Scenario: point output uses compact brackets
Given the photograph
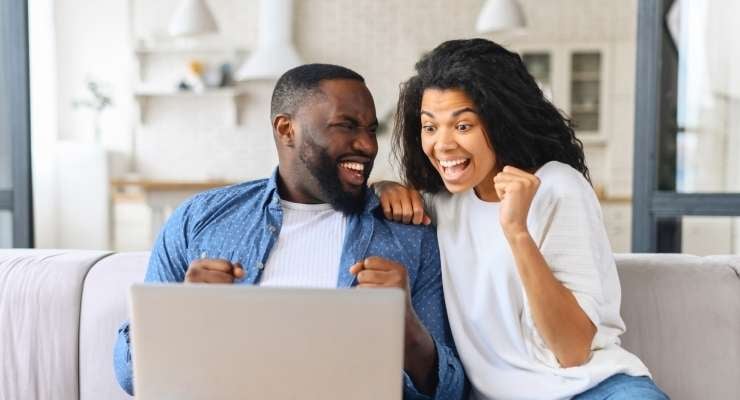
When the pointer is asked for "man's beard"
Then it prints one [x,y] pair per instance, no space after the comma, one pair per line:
[322,167]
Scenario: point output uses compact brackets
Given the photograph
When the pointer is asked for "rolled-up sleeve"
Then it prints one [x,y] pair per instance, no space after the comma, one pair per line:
[574,244]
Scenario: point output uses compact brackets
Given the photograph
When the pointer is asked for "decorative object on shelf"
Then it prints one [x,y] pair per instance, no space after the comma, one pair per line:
[99,100]
[192,17]
[500,15]
[275,52]
[194,76]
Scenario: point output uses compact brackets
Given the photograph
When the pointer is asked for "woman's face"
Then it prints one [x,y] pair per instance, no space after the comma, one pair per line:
[454,140]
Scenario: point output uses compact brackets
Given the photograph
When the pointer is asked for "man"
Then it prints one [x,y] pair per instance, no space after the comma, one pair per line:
[290,230]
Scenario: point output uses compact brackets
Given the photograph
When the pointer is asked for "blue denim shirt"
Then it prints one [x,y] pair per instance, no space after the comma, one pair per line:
[241,223]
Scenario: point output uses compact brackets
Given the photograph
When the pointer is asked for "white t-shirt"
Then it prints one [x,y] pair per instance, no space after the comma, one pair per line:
[504,355]
[308,248]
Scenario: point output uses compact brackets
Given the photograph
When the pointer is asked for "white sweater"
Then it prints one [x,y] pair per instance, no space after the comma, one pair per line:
[500,347]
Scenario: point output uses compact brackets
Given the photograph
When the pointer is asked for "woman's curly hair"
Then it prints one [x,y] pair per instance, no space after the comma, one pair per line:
[523,127]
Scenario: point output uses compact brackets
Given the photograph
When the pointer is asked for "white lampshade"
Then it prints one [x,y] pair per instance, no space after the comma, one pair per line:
[500,15]
[275,52]
[192,17]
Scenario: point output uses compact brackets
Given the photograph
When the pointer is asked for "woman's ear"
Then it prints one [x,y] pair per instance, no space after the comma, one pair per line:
[282,127]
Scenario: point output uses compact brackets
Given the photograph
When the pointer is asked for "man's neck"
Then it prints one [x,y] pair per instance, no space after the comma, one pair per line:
[289,190]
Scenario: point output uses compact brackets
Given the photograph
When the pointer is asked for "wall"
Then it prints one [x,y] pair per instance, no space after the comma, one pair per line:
[191,139]
[382,40]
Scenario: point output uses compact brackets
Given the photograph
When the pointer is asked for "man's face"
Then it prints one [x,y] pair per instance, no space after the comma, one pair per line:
[337,144]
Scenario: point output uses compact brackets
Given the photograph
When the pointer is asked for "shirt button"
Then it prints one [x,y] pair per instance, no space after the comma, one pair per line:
[271,228]
[260,265]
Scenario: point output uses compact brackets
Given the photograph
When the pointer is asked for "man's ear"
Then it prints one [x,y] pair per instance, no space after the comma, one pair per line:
[283,128]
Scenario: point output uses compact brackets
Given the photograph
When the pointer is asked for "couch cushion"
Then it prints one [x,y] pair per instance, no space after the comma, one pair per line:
[104,307]
[40,315]
[683,320]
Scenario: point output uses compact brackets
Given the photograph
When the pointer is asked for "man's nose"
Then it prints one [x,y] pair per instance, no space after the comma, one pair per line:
[365,142]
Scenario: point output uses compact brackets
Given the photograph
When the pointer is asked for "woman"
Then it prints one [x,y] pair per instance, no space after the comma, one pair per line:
[530,281]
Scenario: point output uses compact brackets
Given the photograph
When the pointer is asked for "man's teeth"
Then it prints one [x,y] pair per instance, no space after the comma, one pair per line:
[451,163]
[353,166]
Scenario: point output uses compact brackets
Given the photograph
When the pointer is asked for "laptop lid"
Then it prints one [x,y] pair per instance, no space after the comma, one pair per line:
[236,342]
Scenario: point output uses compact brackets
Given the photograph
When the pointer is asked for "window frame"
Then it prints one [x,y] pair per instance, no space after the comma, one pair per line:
[657,208]
[15,88]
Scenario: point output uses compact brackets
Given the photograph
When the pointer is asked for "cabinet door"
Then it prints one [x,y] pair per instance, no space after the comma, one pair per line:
[586,91]
[539,65]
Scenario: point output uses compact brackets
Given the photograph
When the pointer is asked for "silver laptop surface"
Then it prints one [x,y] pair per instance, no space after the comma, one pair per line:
[236,342]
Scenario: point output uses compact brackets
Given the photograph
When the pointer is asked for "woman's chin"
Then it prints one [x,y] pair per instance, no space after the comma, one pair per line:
[457,187]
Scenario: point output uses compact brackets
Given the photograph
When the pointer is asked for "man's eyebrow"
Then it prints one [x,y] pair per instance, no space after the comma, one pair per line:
[354,121]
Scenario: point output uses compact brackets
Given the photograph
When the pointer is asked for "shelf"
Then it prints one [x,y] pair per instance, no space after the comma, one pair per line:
[142,96]
[584,109]
[234,54]
[590,76]
[188,50]
[156,92]
[122,185]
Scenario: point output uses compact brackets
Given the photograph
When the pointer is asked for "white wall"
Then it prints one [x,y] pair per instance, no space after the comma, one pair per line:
[191,139]
[93,41]
[44,121]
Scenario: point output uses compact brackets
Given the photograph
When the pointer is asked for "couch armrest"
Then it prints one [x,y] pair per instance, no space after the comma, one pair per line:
[40,294]
[683,320]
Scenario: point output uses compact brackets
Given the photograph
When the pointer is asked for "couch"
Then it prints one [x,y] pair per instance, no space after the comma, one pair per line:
[59,311]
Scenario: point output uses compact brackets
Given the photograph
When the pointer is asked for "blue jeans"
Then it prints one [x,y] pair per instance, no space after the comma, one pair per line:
[623,387]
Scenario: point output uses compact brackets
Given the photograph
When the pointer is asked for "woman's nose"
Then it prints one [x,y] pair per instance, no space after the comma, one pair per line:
[446,142]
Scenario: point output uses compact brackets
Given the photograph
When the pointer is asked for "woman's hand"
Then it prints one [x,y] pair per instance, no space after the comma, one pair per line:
[516,189]
[401,204]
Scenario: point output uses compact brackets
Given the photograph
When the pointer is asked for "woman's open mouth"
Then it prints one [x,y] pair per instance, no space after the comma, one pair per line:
[453,169]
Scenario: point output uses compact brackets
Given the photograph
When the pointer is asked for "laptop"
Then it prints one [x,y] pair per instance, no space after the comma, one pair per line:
[207,341]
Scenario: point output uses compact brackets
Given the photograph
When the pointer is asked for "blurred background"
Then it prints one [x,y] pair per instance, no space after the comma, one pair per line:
[136,105]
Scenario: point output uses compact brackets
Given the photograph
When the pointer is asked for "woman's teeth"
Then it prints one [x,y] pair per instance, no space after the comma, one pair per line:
[451,163]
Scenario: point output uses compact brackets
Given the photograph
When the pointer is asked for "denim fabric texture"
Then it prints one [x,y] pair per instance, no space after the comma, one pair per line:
[241,223]
[624,387]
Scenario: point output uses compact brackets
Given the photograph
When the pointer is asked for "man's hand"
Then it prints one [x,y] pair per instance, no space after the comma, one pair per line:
[420,358]
[207,270]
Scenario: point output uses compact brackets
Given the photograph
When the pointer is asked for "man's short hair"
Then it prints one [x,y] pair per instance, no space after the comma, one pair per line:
[299,83]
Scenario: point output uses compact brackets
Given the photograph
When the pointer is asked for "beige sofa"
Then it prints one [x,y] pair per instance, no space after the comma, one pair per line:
[59,311]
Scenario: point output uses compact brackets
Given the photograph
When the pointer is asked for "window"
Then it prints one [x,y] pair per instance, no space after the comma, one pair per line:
[687,127]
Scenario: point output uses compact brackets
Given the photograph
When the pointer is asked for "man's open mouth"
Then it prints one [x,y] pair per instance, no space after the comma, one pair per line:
[352,172]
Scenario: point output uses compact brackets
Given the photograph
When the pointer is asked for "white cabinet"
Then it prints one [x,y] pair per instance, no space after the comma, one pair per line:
[574,77]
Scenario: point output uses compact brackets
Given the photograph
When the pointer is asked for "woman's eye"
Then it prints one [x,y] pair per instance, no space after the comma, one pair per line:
[427,129]
[463,127]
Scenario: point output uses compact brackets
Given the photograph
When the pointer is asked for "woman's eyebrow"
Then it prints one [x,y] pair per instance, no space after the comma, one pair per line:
[463,110]
[427,113]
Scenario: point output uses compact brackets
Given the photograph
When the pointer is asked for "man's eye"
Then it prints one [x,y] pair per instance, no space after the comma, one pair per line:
[345,126]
